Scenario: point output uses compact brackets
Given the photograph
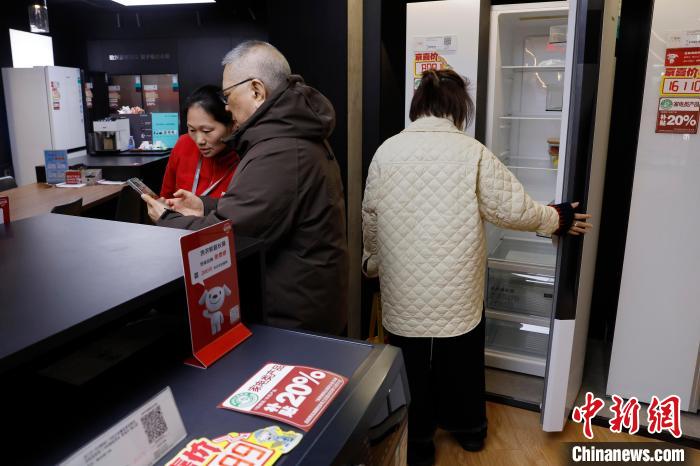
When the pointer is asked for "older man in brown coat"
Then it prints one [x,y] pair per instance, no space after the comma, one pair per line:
[287,189]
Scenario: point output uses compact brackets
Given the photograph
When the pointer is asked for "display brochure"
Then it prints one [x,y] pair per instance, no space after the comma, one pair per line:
[295,395]
[211,284]
[5,210]
[260,448]
[56,165]
[140,439]
[74,177]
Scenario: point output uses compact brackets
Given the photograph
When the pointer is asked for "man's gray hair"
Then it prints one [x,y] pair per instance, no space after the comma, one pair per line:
[261,60]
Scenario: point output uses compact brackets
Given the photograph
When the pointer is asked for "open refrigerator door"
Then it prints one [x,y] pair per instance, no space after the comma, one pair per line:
[526,125]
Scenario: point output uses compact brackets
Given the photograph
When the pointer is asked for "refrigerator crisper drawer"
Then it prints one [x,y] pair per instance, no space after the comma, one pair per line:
[526,293]
[516,347]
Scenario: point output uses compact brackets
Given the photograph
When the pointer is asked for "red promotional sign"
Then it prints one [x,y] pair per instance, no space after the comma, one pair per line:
[296,395]
[686,56]
[678,115]
[211,283]
[5,210]
[74,177]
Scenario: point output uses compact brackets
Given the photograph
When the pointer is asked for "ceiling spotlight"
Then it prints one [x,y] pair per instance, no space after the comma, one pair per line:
[160,2]
[38,18]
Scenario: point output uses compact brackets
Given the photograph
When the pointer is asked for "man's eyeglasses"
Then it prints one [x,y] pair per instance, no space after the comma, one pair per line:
[222,93]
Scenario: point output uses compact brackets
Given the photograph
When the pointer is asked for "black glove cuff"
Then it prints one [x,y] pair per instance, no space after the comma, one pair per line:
[566,217]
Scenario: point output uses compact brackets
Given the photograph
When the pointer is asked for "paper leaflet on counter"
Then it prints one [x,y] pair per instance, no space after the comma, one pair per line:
[295,395]
[260,448]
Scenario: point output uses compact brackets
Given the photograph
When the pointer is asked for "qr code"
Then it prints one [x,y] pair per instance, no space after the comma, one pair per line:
[447,40]
[154,424]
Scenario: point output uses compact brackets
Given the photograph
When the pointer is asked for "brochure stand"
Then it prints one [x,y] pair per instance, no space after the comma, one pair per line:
[211,284]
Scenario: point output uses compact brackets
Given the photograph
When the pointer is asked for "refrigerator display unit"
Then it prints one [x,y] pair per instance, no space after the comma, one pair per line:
[524,129]
[656,345]
[548,116]
[547,111]
[44,112]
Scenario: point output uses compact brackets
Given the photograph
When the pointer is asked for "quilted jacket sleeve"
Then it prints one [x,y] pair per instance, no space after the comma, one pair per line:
[369,222]
[504,202]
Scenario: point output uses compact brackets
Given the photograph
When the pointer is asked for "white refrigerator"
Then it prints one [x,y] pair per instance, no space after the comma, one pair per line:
[44,112]
[656,346]
[547,115]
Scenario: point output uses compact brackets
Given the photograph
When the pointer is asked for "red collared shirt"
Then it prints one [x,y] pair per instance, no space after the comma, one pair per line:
[182,165]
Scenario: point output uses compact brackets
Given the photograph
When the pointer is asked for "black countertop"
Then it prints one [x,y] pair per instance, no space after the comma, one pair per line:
[64,276]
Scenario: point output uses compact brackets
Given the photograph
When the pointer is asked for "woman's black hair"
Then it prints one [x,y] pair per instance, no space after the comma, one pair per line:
[207,97]
[443,93]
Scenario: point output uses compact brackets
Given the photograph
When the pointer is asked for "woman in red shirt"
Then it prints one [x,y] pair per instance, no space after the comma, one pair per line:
[201,162]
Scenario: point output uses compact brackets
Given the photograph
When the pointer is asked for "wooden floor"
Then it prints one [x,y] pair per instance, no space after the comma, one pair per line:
[515,438]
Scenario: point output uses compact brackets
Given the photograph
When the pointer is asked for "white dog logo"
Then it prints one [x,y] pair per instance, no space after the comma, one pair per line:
[213,300]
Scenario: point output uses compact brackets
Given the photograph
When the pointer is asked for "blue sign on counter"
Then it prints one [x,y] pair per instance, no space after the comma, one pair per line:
[56,163]
[165,128]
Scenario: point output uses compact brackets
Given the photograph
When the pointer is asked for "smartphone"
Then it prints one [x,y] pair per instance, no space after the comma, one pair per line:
[141,188]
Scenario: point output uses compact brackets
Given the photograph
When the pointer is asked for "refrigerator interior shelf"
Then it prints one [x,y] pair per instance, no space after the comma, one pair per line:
[517,338]
[552,116]
[515,362]
[525,251]
[533,68]
[528,319]
[528,163]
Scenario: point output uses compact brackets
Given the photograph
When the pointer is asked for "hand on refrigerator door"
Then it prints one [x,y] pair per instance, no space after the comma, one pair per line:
[580,226]
[186,203]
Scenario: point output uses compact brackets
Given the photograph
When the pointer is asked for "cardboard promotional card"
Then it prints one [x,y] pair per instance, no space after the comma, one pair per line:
[56,165]
[211,284]
[4,210]
[295,395]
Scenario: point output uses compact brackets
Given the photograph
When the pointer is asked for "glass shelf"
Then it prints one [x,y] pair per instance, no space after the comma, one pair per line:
[529,163]
[528,252]
[553,116]
[517,338]
[532,68]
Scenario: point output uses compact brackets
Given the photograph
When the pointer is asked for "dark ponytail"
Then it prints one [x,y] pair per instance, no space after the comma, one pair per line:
[444,94]
[207,97]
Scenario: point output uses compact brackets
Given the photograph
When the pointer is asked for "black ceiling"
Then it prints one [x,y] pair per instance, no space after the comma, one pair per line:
[251,8]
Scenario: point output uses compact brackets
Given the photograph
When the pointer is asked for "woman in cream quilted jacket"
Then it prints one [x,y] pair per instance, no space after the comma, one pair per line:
[429,190]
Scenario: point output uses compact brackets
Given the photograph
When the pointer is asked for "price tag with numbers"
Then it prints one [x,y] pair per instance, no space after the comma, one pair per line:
[678,115]
[295,395]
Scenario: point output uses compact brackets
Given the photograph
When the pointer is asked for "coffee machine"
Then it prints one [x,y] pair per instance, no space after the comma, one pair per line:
[111,135]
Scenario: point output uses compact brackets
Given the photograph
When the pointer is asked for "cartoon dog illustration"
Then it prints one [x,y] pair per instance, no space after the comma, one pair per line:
[213,299]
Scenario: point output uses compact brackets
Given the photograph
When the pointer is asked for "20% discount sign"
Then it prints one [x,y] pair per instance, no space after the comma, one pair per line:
[295,395]
[678,115]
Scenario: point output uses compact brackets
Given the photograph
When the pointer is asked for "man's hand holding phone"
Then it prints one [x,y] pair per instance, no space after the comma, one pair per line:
[183,202]
[186,203]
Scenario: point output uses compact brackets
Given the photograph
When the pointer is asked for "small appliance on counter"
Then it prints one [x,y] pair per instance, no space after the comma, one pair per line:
[111,136]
